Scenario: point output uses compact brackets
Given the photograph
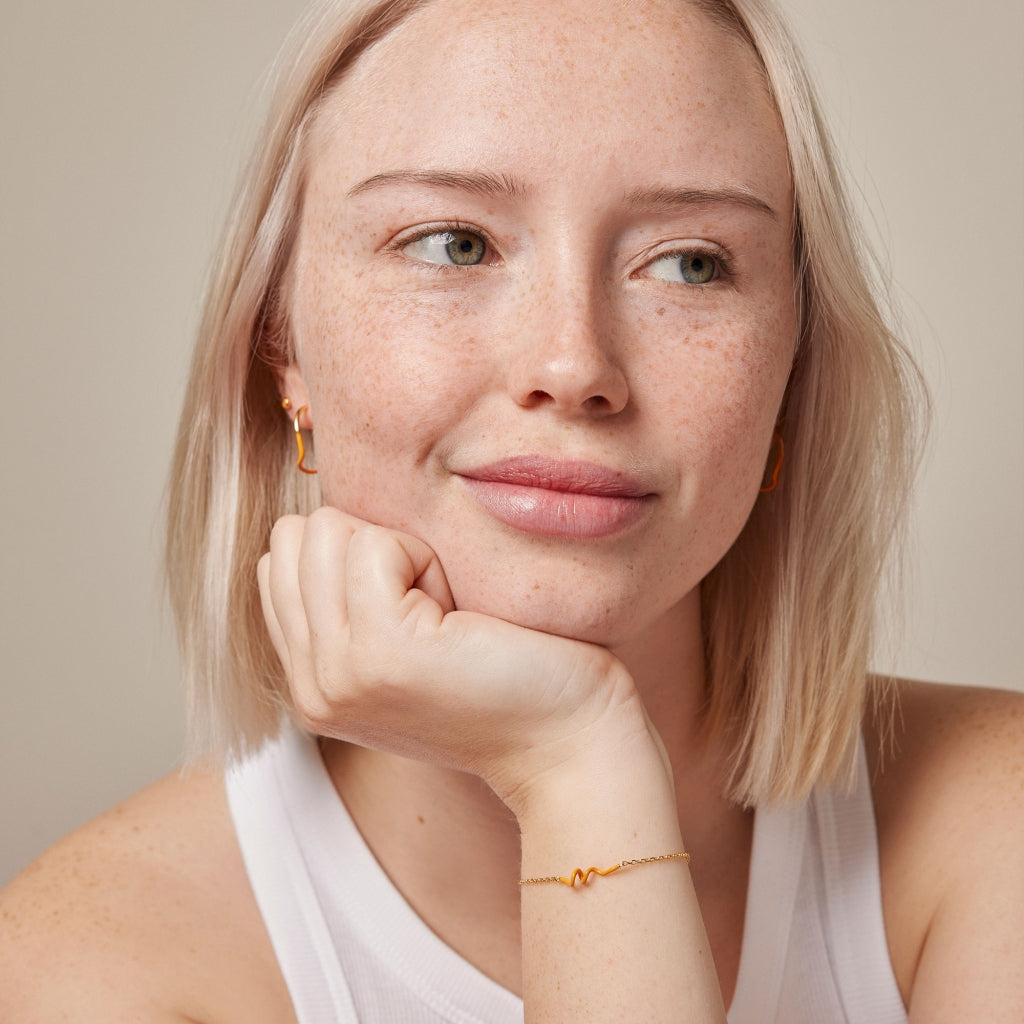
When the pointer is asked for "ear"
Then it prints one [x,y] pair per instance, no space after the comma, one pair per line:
[292,386]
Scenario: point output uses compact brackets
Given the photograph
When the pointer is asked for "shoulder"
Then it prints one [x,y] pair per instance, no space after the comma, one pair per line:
[969,736]
[948,784]
[143,914]
[936,750]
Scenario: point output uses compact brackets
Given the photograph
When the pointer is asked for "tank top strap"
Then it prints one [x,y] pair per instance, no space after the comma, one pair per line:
[853,895]
[265,795]
[814,944]
[776,863]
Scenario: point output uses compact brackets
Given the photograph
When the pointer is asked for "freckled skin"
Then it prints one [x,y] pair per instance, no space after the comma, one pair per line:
[561,341]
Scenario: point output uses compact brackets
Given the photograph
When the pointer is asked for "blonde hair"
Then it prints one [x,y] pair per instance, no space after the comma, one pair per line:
[788,612]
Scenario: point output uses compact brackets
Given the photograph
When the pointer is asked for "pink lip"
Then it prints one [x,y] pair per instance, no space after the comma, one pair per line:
[557,497]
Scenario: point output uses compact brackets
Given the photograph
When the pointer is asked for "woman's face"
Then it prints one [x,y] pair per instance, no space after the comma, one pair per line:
[543,301]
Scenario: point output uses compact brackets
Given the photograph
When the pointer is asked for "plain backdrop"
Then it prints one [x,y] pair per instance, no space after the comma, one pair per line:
[124,123]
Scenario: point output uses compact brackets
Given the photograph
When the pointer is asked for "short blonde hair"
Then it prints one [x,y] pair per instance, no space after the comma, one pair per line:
[787,613]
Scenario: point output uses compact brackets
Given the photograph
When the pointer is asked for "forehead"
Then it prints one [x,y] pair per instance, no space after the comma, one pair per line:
[540,87]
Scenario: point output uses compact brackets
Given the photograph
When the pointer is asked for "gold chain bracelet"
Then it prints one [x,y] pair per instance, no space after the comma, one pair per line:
[581,876]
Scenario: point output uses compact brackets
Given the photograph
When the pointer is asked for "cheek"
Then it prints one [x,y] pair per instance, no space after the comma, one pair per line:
[386,378]
[722,394]
[720,384]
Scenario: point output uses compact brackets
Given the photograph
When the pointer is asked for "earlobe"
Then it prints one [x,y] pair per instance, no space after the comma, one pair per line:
[292,386]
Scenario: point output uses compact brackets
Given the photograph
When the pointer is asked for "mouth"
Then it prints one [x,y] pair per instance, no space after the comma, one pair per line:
[559,497]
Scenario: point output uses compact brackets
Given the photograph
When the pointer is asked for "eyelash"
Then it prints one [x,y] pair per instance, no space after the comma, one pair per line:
[723,263]
[454,227]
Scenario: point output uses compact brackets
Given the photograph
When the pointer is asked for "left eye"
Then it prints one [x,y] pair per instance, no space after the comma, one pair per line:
[686,267]
[458,248]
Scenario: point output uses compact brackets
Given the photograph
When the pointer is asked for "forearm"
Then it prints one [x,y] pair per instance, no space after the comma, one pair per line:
[629,946]
[553,725]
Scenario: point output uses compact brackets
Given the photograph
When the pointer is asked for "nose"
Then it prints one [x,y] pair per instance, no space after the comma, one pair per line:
[565,356]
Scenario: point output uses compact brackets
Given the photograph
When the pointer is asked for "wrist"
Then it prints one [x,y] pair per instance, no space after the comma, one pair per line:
[624,815]
[608,794]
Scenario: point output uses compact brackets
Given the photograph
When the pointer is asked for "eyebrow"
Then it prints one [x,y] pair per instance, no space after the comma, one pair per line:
[505,186]
[499,186]
[646,198]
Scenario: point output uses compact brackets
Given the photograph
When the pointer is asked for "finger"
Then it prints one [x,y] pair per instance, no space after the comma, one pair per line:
[322,584]
[270,616]
[383,568]
[434,583]
[286,596]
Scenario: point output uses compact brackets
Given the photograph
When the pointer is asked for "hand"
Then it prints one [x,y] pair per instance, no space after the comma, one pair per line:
[376,653]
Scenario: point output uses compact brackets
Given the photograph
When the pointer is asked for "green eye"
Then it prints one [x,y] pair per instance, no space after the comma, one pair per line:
[687,268]
[449,248]
[696,269]
[464,248]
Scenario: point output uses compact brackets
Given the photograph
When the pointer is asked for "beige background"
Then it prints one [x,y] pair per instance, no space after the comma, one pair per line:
[123,124]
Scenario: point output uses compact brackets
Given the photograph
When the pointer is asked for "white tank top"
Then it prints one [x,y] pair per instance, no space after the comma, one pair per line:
[351,949]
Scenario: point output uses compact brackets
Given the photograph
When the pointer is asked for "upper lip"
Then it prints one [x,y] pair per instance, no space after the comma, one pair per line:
[573,476]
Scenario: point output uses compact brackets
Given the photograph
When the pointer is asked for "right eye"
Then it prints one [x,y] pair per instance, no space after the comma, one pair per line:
[448,248]
[694,267]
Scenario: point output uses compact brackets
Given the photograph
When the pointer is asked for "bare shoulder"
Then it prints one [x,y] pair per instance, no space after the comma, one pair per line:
[948,781]
[143,914]
[948,752]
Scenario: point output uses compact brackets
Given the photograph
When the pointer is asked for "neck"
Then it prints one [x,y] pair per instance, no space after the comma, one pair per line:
[667,665]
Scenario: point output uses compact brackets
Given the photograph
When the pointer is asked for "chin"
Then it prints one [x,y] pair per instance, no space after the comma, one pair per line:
[607,595]
[606,621]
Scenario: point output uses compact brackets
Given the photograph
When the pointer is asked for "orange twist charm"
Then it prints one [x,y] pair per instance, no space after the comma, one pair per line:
[581,876]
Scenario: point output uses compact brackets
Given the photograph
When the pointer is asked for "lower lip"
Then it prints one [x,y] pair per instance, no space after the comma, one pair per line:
[558,513]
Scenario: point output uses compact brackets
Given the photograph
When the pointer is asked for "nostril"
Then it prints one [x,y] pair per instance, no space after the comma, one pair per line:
[538,398]
[595,403]
[569,379]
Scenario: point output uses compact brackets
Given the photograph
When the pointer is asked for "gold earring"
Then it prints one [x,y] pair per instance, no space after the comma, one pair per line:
[776,436]
[286,404]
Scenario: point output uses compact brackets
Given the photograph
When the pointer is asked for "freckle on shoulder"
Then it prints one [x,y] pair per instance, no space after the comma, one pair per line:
[969,737]
[98,911]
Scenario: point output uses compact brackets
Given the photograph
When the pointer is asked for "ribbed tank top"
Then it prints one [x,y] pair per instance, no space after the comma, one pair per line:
[351,949]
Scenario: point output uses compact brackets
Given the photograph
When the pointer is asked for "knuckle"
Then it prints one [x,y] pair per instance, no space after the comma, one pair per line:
[325,516]
[284,527]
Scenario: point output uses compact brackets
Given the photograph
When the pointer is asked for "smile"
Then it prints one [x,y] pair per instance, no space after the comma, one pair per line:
[558,498]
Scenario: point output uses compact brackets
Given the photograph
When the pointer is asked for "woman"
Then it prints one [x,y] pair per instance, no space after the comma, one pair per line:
[610,439]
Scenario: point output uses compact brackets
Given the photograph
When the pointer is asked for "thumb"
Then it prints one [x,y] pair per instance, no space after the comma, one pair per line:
[389,563]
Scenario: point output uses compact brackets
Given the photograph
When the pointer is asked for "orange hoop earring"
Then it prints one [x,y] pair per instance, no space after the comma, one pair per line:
[286,404]
[776,436]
